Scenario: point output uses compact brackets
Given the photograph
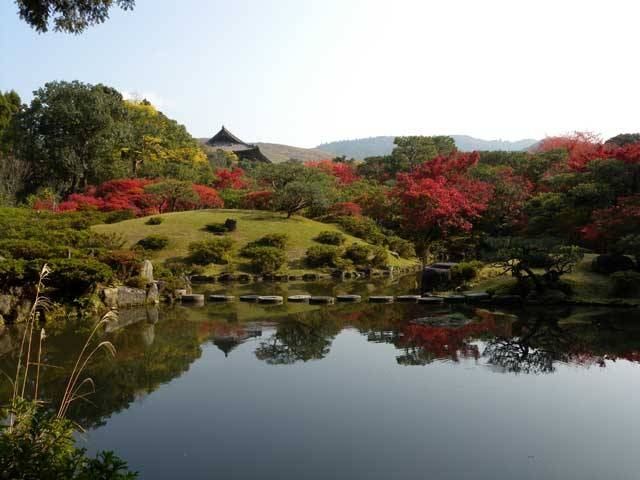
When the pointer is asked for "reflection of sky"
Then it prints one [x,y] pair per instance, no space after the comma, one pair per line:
[358,414]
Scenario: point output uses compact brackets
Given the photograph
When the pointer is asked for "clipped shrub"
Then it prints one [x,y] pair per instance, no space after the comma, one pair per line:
[154,221]
[215,250]
[275,240]
[330,238]
[358,253]
[402,247]
[465,272]
[626,283]
[217,228]
[73,277]
[323,256]
[380,257]
[362,227]
[153,242]
[611,263]
[267,259]
[119,216]
[30,249]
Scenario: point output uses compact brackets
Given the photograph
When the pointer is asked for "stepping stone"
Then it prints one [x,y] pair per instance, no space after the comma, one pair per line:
[221,298]
[192,298]
[477,296]
[431,300]
[322,300]
[454,298]
[272,299]
[348,298]
[407,298]
[298,298]
[381,299]
[249,298]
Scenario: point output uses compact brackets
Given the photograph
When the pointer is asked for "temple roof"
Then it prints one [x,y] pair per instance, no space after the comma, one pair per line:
[228,142]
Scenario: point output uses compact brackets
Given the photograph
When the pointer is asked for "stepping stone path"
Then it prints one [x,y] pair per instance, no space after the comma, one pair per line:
[431,300]
[476,296]
[407,298]
[272,299]
[249,298]
[298,298]
[381,299]
[192,298]
[322,300]
[348,298]
[221,298]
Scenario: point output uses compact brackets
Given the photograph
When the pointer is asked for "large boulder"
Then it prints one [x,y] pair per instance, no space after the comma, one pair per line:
[611,263]
[146,271]
[122,297]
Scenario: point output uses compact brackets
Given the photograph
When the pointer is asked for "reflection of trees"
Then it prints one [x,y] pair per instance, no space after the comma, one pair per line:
[304,338]
[538,343]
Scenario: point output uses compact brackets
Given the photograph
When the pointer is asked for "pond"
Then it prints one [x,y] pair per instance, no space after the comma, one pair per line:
[360,390]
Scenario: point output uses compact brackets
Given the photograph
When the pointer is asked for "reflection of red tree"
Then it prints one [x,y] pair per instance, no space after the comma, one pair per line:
[448,342]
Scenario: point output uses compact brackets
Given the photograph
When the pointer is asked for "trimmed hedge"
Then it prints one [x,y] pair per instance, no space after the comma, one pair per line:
[330,238]
[153,242]
[216,250]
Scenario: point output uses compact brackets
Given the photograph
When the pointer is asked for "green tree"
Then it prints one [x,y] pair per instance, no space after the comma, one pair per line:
[296,187]
[68,135]
[10,104]
[71,16]
[172,192]
[624,139]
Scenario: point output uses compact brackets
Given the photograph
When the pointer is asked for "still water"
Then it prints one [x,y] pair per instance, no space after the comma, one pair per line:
[362,391]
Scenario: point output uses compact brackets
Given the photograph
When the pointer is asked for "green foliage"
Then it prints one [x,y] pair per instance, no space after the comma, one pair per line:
[30,249]
[358,253]
[323,256]
[297,187]
[465,272]
[362,227]
[216,250]
[73,277]
[380,257]
[217,228]
[154,221]
[275,240]
[266,259]
[626,283]
[41,446]
[402,247]
[330,238]
[154,242]
[18,272]
[119,216]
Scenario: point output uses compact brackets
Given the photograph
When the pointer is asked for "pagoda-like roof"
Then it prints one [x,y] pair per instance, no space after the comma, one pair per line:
[228,142]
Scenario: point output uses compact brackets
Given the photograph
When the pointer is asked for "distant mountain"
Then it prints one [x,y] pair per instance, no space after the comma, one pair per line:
[278,153]
[373,146]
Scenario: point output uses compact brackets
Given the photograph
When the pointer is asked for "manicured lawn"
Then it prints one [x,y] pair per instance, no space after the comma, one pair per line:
[182,228]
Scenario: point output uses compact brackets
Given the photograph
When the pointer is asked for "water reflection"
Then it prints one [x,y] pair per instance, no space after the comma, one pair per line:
[156,346]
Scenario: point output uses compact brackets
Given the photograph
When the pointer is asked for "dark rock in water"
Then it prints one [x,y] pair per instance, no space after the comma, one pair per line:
[310,277]
[227,277]
[407,298]
[611,263]
[298,298]
[348,298]
[321,300]
[221,298]
[381,299]
[442,321]
[249,298]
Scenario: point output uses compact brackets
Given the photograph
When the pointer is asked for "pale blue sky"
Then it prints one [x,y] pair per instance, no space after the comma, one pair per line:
[306,71]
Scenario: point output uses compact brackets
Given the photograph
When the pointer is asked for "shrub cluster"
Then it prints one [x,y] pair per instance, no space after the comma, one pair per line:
[275,240]
[465,272]
[267,259]
[330,238]
[154,221]
[402,247]
[229,225]
[215,250]
[154,242]
[362,227]
[323,256]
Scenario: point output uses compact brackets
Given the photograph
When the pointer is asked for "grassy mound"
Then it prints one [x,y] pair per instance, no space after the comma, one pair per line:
[182,228]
